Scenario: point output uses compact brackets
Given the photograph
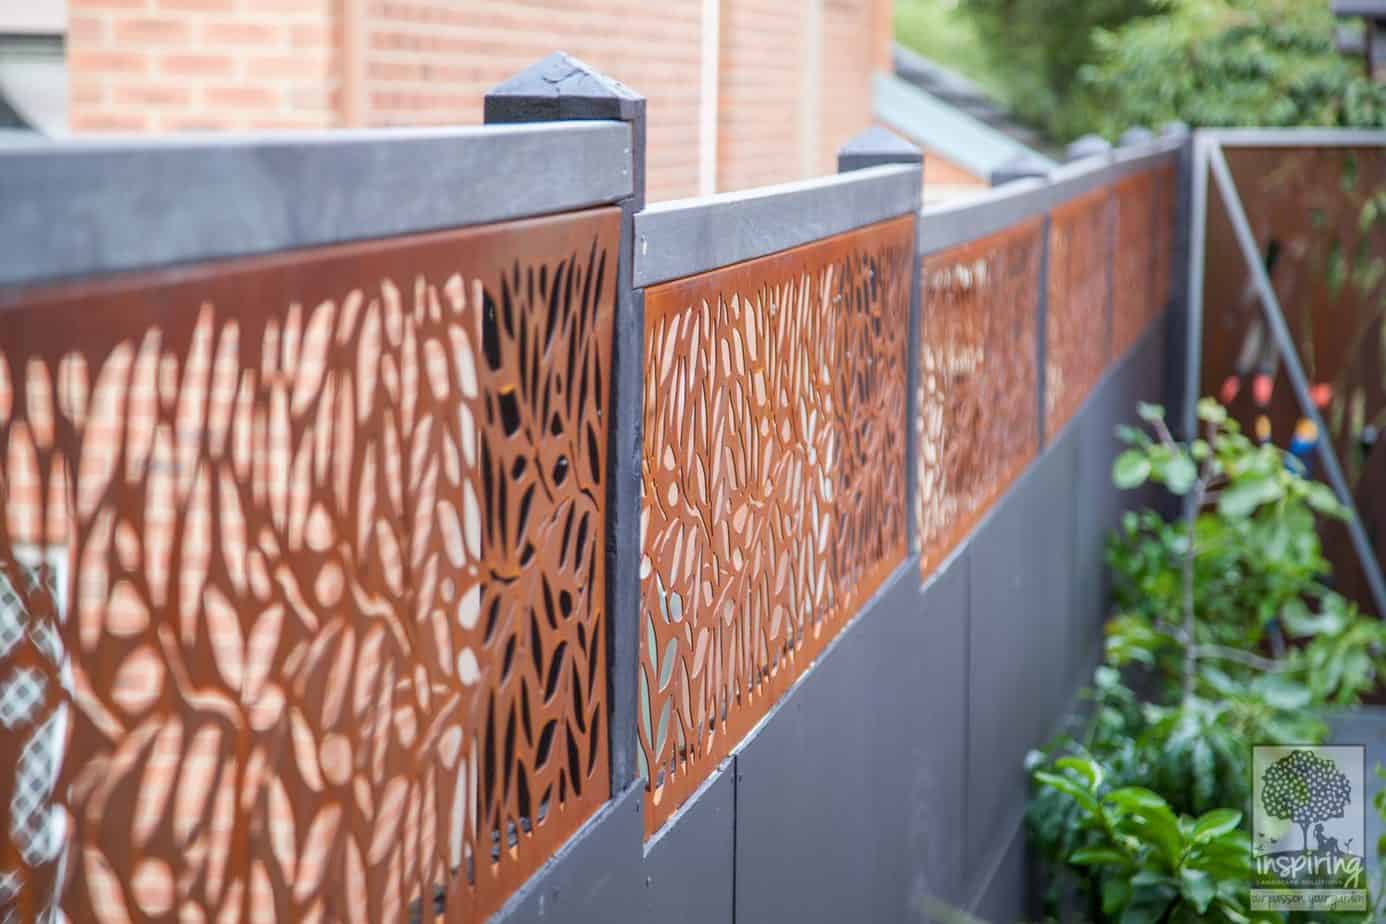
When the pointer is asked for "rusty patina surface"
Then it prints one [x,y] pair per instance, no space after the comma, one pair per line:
[305,557]
[774,488]
[1077,338]
[977,425]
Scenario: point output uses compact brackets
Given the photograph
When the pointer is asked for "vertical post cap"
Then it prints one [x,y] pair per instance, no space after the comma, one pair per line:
[560,87]
[1088,146]
[874,147]
[1022,166]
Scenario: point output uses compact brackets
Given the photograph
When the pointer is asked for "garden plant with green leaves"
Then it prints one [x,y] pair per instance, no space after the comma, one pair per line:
[1225,632]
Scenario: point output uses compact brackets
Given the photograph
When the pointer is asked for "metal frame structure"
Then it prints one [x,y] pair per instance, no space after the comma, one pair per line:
[1209,161]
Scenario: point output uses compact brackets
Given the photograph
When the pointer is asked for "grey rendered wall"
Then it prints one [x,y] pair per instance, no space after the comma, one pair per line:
[892,773]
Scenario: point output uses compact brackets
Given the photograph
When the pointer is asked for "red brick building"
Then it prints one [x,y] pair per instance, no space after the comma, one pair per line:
[741,92]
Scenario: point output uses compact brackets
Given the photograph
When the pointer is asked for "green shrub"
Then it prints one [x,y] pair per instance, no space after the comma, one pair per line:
[1224,625]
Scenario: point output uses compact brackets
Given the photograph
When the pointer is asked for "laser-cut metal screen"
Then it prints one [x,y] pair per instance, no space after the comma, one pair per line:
[302,562]
[978,411]
[774,487]
[1077,332]
[1136,298]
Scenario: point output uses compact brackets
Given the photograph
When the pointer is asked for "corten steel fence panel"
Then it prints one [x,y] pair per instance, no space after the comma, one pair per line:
[977,426]
[303,570]
[1077,328]
[774,483]
[1163,220]
[1134,295]
[1320,226]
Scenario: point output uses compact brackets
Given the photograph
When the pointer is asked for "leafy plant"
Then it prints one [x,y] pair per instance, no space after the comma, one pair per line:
[1226,628]
[1227,63]
[1151,864]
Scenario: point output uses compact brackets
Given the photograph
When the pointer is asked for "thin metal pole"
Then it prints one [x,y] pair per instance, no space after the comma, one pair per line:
[1275,319]
[1193,293]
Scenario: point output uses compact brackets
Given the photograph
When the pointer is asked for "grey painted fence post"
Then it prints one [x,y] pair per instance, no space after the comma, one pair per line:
[877,147]
[1088,146]
[1176,350]
[1023,166]
[561,88]
[1028,167]
[1135,136]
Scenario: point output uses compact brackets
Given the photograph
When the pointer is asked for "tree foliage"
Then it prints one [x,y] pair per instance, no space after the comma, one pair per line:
[1038,48]
[1225,63]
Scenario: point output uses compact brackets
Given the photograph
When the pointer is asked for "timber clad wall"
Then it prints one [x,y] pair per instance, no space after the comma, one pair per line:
[320,591]
[176,65]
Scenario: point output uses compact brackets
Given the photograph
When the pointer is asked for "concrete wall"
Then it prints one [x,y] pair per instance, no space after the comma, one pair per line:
[892,773]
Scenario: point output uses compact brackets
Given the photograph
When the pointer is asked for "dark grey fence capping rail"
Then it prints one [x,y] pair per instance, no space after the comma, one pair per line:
[690,236]
[949,224]
[1294,137]
[68,209]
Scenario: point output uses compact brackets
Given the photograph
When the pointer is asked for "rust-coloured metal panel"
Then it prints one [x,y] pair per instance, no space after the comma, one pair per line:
[774,488]
[1077,339]
[1135,301]
[1317,220]
[306,563]
[977,427]
[1166,211]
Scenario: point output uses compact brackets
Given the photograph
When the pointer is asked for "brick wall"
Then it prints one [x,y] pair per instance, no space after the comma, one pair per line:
[432,61]
[939,171]
[760,93]
[175,65]
[171,65]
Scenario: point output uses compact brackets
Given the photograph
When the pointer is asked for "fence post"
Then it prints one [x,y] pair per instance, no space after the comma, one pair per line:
[1177,329]
[1088,146]
[877,147]
[1135,136]
[561,88]
[1023,166]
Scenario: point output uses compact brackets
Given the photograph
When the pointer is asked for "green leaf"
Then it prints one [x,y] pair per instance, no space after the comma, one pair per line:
[1131,469]
[1099,856]
[1116,892]
[1246,494]
[1150,412]
[1180,474]
[1198,887]
[1088,769]
[1280,692]
[1215,824]
[1069,788]
[1322,499]
[1211,412]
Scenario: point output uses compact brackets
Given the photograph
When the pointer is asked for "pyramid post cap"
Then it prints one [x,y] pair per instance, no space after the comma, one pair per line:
[1088,146]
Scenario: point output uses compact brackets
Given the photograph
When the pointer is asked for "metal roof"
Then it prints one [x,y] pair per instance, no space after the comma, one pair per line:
[946,129]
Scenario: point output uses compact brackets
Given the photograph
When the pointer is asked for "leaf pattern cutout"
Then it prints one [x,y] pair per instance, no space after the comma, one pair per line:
[333,528]
[773,483]
[977,424]
[1137,298]
[1078,341]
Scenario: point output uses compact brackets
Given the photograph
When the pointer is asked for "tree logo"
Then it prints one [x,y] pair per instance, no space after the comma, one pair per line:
[1308,828]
